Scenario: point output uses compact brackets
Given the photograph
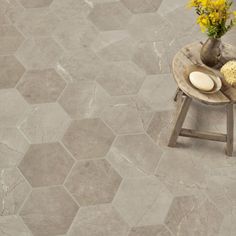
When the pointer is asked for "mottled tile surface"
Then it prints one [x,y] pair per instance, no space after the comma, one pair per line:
[86,110]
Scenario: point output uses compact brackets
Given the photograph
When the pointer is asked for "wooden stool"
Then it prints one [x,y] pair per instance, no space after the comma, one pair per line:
[188,56]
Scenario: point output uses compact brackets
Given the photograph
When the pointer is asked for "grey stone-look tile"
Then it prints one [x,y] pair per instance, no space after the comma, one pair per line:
[121,78]
[143,201]
[93,182]
[188,217]
[45,123]
[110,16]
[13,225]
[46,164]
[84,99]
[13,146]
[123,118]
[98,220]
[35,4]
[41,86]
[10,39]
[11,71]
[150,230]
[88,138]
[83,65]
[39,53]
[37,22]
[155,91]
[139,151]
[12,108]
[142,6]
[13,191]
[49,211]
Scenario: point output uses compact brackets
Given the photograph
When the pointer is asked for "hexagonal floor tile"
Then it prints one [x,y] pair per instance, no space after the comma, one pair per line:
[49,211]
[84,65]
[51,159]
[10,39]
[105,221]
[155,92]
[84,99]
[13,225]
[134,149]
[110,16]
[13,191]
[202,218]
[37,22]
[150,230]
[88,138]
[35,4]
[12,108]
[142,6]
[150,58]
[123,118]
[41,86]
[13,146]
[121,78]
[39,53]
[93,182]
[46,123]
[10,71]
[143,201]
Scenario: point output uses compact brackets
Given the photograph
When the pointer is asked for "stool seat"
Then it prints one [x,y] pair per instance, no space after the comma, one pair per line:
[185,58]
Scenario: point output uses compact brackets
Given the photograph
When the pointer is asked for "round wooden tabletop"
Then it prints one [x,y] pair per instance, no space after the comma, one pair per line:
[189,56]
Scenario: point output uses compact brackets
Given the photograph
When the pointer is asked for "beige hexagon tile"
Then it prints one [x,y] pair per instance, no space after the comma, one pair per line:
[3,16]
[84,99]
[74,32]
[187,216]
[93,182]
[35,4]
[88,138]
[83,65]
[12,108]
[39,53]
[142,6]
[41,86]
[139,151]
[10,39]
[37,22]
[13,146]
[13,225]
[46,164]
[150,27]
[13,191]
[150,230]
[49,211]
[143,201]
[71,9]
[11,71]
[228,226]
[182,171]
[110,16]
[150,57]
[98,220]
[155,91]
[45,123]
[123,118]
[121,78]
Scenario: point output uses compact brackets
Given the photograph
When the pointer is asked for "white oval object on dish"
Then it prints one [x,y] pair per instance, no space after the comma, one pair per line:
[201,81]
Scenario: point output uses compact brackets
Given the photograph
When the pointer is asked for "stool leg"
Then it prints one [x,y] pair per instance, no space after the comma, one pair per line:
[180,117]
[230,129]
[178,93]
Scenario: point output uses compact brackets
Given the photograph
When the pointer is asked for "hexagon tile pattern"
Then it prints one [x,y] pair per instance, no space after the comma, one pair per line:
[49,211]
[93,182]
[46,164]
[88,138]
[86,107]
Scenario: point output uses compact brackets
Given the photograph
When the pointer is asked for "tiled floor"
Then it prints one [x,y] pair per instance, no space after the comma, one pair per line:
[85,110]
